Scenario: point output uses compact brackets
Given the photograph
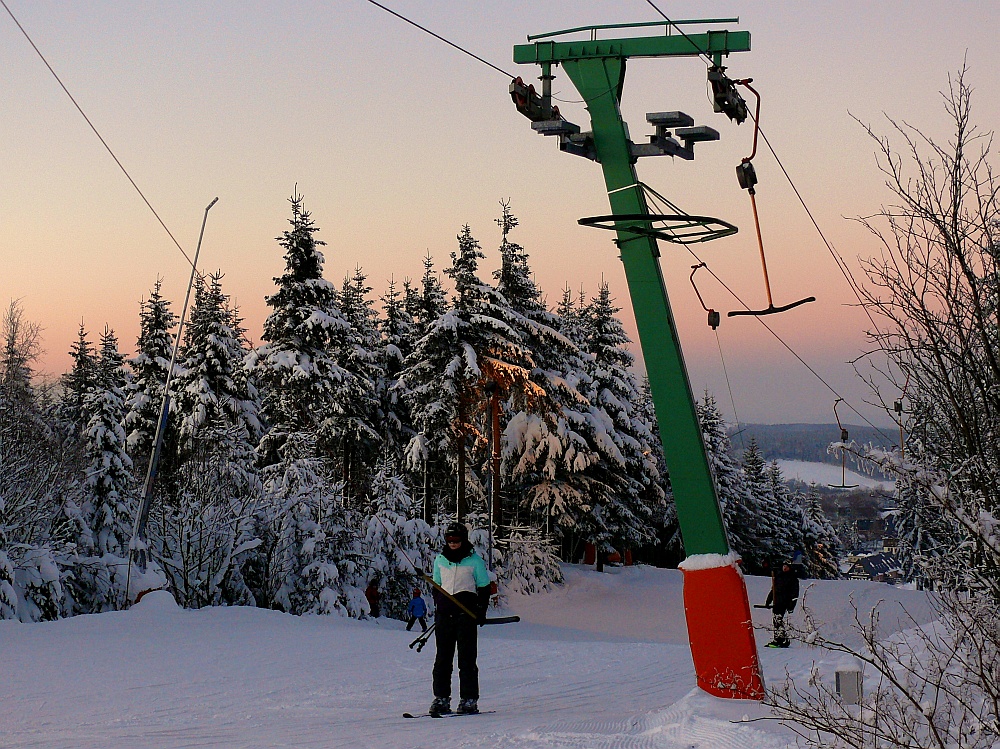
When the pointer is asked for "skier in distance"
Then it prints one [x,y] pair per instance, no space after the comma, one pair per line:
[782,599]
[416,610]
[462,573]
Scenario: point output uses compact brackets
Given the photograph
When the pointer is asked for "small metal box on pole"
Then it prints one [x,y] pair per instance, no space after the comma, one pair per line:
[849,684]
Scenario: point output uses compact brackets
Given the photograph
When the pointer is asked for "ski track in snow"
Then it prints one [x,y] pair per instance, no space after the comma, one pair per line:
[602,663]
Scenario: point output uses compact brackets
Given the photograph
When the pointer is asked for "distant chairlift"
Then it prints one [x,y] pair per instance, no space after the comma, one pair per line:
[844,437]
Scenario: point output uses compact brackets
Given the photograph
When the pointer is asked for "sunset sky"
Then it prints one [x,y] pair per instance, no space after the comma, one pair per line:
[396,140]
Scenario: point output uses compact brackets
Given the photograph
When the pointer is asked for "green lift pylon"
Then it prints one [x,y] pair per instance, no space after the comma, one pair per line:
[717,610]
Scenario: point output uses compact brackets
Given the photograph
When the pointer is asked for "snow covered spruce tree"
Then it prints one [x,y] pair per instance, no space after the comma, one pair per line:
[737,506]
[544,453]
[932,292]
[144,390]
[203,528]
[359,423]
[308,560]
[79,382]
[398,338]
[393,539]
[109,473]
[821,546]
[301,382]
[466,346]
[627,470]
[762,535]
[94,577]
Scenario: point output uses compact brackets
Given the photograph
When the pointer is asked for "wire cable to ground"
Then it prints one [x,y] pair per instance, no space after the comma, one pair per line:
[96,132]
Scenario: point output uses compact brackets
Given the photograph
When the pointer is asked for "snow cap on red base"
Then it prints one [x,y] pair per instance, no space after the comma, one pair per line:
[710,561]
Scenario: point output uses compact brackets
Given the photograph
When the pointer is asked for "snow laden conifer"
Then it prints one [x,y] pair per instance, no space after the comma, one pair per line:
[313,561]
[393,539]
[203,527]
[109,476]
[398,338]
[429,302]
[301,382]
[623,437]
[546,450]
[360,418]
[144,390]
[737,511]
[79,382]
[760,537]
[787,515]
[820,545]
[468,345]
[213,387]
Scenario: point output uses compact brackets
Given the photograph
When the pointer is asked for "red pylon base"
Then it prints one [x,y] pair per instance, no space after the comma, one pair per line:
[720,628]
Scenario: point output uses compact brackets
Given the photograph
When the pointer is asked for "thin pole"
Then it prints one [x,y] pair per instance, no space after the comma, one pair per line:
[137,546]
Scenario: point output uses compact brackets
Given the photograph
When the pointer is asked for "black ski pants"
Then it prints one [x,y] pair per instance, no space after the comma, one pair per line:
[456,630]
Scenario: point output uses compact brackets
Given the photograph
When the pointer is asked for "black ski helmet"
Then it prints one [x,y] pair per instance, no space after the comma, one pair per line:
[457,529]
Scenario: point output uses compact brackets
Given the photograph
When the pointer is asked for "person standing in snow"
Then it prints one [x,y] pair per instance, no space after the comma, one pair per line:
[373,597]
[462,574]
[782,599]
[416,610]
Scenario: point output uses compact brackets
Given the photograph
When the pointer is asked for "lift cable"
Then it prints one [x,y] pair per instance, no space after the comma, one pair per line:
[841,264]
[96,132]
[701,52]
[439,37]
[732,400]
[788,347]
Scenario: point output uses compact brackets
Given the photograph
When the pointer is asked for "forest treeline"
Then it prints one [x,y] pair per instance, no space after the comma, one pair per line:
[295,473]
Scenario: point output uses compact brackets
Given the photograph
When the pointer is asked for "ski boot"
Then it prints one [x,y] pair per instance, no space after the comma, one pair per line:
[468,706]
[440,706]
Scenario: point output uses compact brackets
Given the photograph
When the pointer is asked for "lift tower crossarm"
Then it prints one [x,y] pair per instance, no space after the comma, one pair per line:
[715,598]
[713,43]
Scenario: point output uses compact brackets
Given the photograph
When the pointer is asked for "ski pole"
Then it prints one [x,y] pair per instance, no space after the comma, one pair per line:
[423,637]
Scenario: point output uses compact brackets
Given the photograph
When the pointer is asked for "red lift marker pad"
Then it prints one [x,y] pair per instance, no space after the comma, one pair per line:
[720,628]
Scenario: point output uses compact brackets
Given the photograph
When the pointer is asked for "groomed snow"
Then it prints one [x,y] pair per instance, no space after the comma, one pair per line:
[601,662]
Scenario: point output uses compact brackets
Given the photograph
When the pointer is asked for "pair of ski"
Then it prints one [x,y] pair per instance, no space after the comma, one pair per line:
[448,715]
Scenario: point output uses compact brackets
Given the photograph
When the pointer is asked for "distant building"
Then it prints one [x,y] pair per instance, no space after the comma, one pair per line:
[882,567]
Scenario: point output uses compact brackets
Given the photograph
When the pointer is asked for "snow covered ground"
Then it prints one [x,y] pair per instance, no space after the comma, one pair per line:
[601,662]
[826,474]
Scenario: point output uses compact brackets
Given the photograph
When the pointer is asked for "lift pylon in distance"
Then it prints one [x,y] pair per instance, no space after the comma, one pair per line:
[720,629]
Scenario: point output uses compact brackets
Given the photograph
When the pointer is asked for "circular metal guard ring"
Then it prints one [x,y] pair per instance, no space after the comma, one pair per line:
[679,228]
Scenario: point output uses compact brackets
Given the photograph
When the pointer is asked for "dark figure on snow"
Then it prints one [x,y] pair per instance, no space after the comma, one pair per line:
[372,594]
[462,574]
[416,610]
[782,599]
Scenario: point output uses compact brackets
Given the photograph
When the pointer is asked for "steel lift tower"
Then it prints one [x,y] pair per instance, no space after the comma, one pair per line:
[720,629]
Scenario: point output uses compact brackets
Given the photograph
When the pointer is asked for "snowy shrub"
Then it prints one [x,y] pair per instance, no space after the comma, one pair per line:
[529,564]
[8,597]
[38,577]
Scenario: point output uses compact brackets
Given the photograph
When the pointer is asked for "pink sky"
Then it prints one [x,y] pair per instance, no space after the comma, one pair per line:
[396,140]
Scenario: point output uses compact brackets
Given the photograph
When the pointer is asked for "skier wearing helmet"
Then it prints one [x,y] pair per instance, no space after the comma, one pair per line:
[463,575]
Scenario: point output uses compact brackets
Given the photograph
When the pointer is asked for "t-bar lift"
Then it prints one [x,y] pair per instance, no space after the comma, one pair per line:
[720,629]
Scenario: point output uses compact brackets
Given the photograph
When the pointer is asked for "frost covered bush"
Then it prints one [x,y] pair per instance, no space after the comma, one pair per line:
[529,563]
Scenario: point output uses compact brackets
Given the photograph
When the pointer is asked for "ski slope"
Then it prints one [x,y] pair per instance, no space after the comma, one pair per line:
[601,662]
